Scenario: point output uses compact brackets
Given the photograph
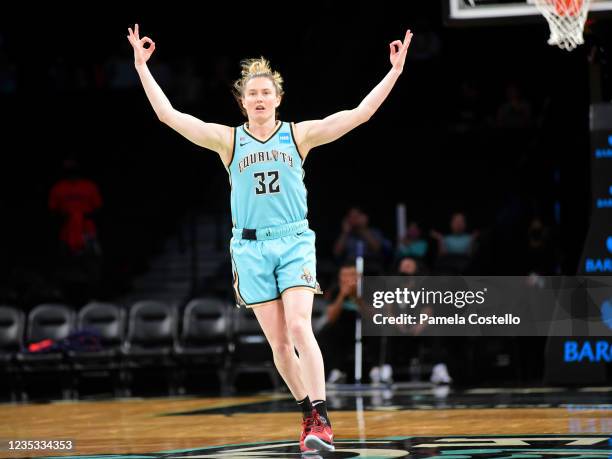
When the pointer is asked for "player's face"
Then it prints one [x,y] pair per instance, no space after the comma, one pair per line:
[458,223]
[260,99]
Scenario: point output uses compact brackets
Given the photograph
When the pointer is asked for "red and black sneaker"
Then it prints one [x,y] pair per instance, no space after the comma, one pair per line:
[306,428]
[321,436]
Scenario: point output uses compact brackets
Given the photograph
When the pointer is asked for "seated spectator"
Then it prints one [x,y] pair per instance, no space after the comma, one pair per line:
[414,348]
[408,266]
[413,245]
[356,231]
[382,371]
[338,334]
[455,249]
[458,242]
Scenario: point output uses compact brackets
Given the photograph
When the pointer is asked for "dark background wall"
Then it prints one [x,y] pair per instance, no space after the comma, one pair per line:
[69,89]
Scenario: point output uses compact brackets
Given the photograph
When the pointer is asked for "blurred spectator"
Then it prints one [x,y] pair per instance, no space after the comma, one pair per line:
[432,346]
[386,348]
[458,242]
[413,245]
[395,354]
[338,334]
[455,249]
[409,266]
[356,230]
[75,199]
[515,111]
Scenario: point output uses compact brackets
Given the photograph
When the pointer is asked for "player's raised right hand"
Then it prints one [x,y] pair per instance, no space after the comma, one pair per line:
[141,54]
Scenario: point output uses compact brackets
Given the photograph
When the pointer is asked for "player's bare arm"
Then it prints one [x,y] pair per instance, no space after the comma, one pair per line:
[215,137]
[310,134]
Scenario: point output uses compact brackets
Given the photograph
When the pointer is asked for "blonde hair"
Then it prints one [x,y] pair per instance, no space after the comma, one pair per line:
[253,68]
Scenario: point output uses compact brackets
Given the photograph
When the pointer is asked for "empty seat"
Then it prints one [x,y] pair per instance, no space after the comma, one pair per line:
[12,322]
[205,329]
[11,333]
[250,351]
[151,329]
[108,322]
[204,337]
[151,337]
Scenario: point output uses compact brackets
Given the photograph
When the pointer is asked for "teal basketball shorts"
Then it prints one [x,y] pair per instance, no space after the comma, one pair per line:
[268,261]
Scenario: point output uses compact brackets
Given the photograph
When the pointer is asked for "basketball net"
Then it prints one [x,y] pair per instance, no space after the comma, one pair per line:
[566,20]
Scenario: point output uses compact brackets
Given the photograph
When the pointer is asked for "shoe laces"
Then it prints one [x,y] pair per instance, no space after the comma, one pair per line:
[307,424]
[318,423]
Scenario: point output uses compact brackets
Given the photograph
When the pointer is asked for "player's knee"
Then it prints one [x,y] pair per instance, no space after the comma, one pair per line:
[282,350]
[300,330]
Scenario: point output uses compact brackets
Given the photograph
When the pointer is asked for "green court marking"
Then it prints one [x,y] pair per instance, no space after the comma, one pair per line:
[231,445]
[455,453]
[454,456]
[599,452]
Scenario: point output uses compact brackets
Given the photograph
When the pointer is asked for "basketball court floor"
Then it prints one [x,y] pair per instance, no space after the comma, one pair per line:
[433,422]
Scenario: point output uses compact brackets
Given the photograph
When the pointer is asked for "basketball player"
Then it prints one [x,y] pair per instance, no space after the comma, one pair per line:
[272,248]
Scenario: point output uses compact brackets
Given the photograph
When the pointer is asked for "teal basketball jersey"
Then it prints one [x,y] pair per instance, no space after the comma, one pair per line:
[267,179]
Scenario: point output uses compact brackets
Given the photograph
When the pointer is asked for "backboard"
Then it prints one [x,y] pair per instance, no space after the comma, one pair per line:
[485,12]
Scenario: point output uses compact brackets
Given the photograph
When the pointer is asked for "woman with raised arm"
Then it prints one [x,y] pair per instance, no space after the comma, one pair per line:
[273,248]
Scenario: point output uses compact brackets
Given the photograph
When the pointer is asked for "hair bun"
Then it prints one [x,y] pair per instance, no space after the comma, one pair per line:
[252,67]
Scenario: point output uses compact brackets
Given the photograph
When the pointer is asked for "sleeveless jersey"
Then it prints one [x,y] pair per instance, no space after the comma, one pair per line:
[267,179]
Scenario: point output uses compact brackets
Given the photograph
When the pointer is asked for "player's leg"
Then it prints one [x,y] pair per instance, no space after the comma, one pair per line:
[297,282]
[271,318]
[297,304]
[296,277]
[298,308]
[254,264]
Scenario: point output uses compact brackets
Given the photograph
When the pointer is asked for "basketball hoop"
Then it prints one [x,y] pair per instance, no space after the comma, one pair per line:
[566,20]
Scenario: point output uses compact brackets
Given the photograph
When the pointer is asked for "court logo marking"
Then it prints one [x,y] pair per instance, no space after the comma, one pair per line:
[448,447]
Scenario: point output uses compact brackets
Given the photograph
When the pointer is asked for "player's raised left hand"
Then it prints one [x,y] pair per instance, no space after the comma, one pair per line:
[141,54]
[398,51]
